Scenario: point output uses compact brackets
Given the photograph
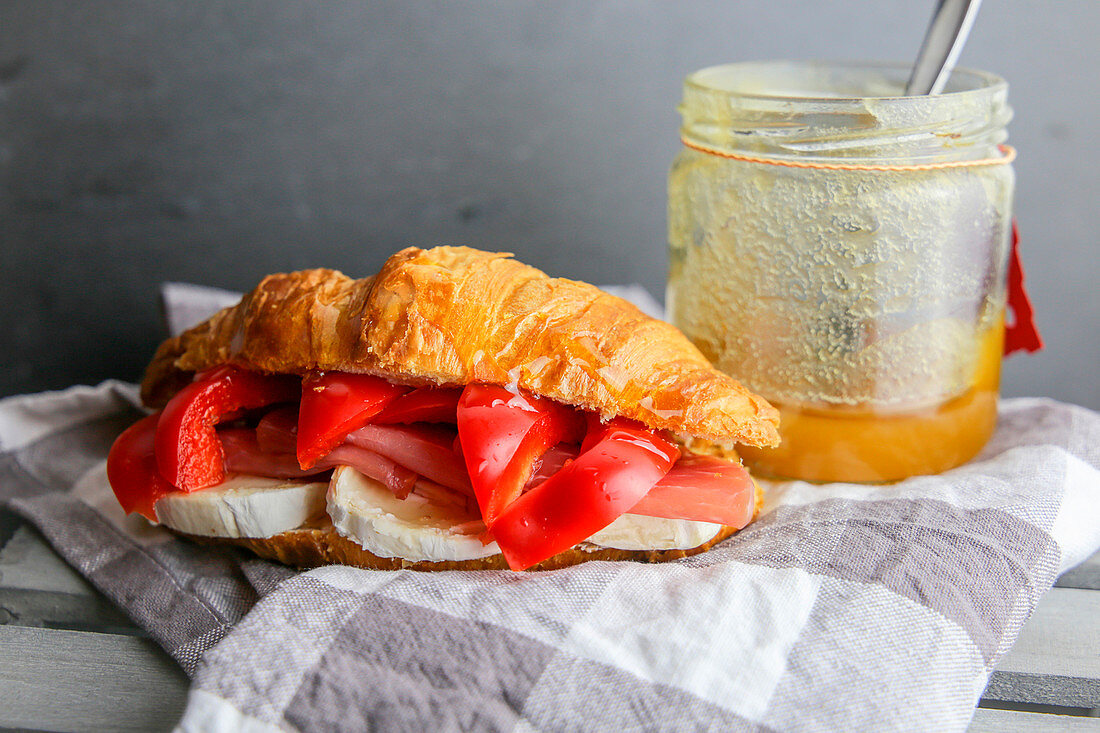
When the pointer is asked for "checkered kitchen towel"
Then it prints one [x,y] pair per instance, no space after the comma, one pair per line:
[841,608]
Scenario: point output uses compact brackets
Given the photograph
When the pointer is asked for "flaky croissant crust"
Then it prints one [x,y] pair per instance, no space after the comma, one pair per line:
[455,315]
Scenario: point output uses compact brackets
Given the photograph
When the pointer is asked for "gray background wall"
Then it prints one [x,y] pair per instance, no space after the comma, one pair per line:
[213,142]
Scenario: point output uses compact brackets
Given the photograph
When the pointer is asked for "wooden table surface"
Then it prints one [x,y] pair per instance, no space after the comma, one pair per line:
[69,660]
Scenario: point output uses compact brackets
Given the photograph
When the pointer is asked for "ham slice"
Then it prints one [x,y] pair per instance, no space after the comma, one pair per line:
[427,450]
[703,489]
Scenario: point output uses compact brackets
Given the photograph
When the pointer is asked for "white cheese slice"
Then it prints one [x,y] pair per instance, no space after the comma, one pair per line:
[637,532]
[243,506]
[366,512]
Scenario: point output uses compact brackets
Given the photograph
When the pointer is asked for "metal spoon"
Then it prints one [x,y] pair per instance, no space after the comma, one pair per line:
[951,23]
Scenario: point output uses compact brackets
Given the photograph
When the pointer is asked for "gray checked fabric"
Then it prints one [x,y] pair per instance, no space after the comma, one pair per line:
[842,607]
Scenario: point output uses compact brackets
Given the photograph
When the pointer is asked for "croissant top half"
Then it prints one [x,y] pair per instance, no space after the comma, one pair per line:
[455,315]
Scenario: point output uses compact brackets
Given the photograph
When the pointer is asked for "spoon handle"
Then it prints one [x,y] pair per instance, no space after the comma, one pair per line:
[951,23]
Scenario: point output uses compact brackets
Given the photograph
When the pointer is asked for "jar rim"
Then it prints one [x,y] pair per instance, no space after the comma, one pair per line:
[893,75]
[843,111]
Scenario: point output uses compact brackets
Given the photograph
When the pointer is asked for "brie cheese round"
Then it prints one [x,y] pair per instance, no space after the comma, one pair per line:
[366,512]
[637,532]
[243,506]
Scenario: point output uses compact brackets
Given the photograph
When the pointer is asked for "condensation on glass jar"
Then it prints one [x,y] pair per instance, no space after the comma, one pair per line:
[841,249]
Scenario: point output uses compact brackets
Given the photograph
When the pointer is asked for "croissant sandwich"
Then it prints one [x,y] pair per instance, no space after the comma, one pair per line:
[458,410]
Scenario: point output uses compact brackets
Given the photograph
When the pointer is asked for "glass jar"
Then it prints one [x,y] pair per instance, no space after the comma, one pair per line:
[841,249]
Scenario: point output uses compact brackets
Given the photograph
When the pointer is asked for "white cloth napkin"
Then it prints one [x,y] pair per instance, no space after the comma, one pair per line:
[842,607]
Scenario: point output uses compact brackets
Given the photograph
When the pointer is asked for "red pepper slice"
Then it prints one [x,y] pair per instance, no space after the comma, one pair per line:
[702,489]
[698,487]
[132,469]
[502,434]
[426,404]
[585,496]
[335,404]
[189,454]
[551,462]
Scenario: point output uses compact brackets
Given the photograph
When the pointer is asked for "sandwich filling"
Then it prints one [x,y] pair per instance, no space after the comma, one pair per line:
[427,473]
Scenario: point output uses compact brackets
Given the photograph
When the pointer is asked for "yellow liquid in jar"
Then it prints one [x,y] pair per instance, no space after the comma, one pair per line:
[864,445]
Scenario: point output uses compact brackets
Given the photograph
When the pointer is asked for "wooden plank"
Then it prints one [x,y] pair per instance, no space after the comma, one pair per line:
[987,720]
[1061,638]
[1043,689]
[1085,575]
[1056,660]
[29,563]
[38,588]
[53,679]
